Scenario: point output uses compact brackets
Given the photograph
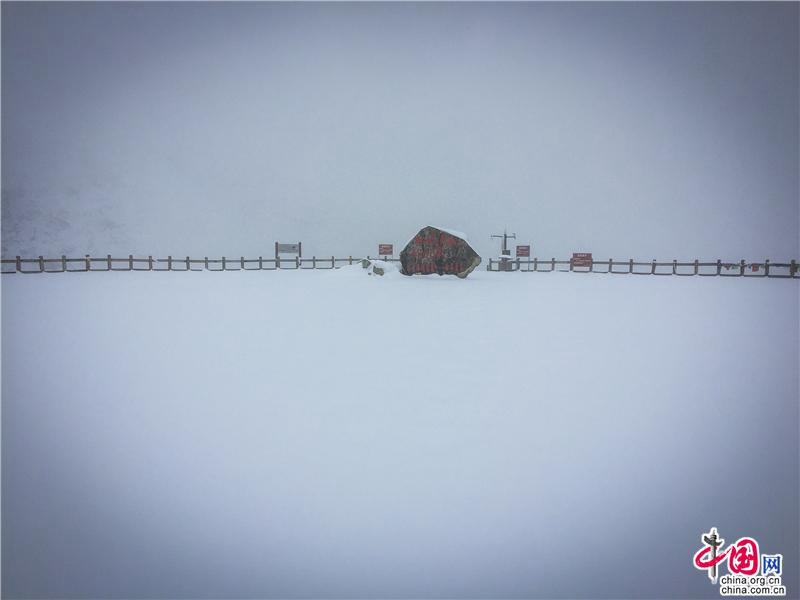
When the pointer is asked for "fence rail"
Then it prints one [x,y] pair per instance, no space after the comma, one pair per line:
[718,268]
[171,263]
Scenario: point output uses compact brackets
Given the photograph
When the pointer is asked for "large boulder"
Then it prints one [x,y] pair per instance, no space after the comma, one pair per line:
[439,251]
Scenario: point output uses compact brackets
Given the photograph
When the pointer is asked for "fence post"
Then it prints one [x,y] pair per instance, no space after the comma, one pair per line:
[242,263]
[108,258]
[130,262]
[223,263]
[188,264]
[793,268]
[313,262]
[674,266]
[333,262]
[741,268]
[350,260]
[653,268]
[41,263]
[297,262]
[206,263]
[553,264]
[64,262]
[169,262]
[150,263]
[766,268]
[88,263]
[260,263]
[696,266]
[719,266]
[630,269]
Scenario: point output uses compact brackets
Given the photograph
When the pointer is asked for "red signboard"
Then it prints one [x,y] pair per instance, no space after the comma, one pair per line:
[385,249]
[581,259]
[523,251]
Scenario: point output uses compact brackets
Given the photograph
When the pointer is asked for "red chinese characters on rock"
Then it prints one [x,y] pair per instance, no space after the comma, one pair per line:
[435,251]
[742,557]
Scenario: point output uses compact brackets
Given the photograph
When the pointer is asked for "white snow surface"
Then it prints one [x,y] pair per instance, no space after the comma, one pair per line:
[324,433]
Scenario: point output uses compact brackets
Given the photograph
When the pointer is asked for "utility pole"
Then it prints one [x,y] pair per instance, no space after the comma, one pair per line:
[505,255]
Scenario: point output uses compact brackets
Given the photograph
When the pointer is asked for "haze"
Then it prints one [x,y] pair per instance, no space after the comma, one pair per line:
[629,130]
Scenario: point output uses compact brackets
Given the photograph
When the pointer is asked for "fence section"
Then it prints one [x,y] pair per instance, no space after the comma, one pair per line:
[171,263]
[630,267]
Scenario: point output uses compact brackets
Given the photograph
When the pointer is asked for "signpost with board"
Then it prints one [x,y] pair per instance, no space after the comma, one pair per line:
[523,251]
[296,249]
[505,253]
[385,250]
[581,259]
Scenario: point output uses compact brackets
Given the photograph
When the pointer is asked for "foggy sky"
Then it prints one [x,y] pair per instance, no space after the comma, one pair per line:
[629,130]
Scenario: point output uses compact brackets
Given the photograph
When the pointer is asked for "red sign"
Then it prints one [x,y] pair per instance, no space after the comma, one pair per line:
[523,251]
[385,249]
[581,259]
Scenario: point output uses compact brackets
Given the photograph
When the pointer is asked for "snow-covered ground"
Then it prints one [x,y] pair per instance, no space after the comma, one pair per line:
[325,433]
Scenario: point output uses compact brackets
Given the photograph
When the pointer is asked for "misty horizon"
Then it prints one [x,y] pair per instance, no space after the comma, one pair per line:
[628,130]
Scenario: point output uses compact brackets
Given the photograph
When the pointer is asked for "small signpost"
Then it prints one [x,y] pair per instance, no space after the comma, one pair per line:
[523,251]
[288,249]
[581,259]
[505,253]
[385,250]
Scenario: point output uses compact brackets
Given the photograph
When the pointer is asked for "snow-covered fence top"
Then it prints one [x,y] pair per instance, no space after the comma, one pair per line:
[719,268]
[171,263]
[742,268]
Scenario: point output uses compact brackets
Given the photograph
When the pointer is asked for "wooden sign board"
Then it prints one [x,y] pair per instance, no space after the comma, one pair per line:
[581,259]
[288,248]
[385,249]
[524,251]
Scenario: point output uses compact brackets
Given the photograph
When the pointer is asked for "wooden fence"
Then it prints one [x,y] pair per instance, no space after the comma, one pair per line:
[630,267]
[171,263]
[718,268]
